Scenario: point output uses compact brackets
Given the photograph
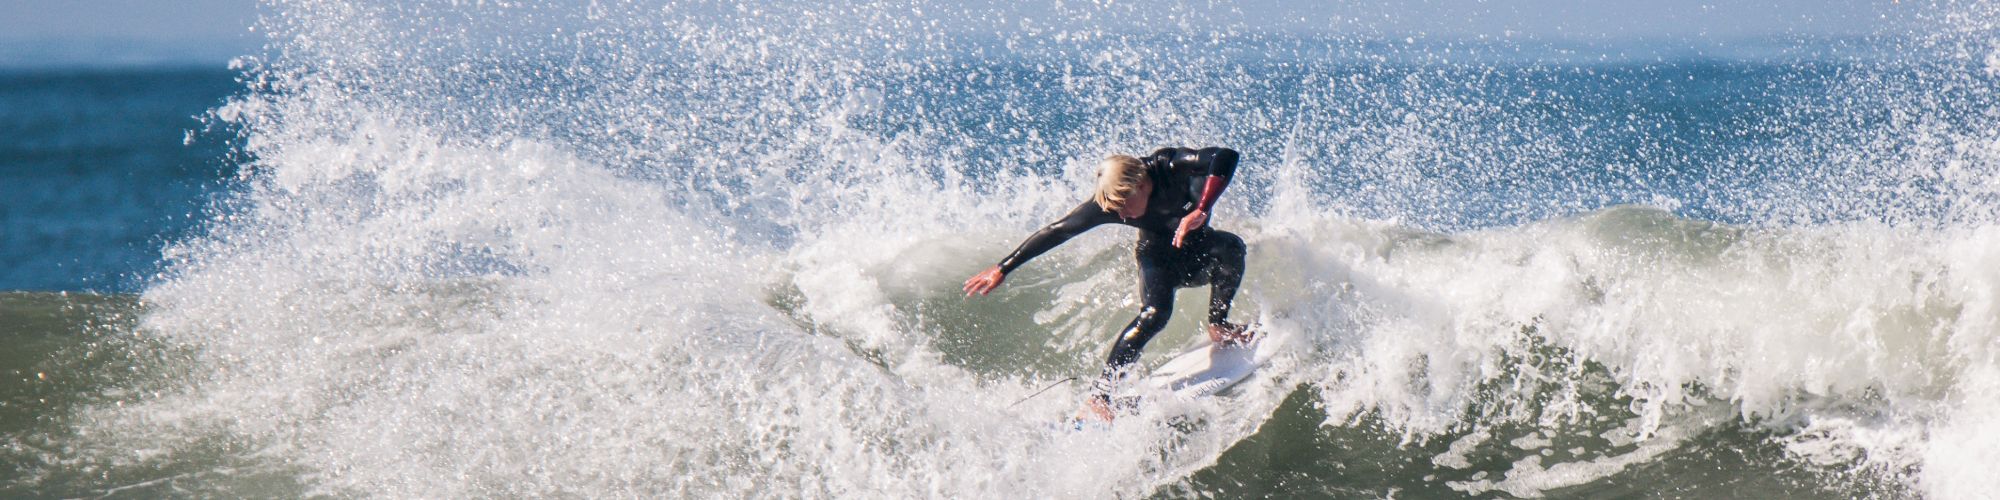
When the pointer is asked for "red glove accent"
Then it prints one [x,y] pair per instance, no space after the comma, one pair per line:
[1210,191]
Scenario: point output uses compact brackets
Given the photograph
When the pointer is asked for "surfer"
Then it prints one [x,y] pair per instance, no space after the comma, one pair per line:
[1166,195]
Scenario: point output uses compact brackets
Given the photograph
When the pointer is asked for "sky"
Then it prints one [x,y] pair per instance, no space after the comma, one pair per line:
[139,19]
[1592,19]
[124,32]
[214,30]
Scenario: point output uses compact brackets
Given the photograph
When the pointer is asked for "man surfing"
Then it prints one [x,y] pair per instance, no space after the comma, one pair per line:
[1167,196]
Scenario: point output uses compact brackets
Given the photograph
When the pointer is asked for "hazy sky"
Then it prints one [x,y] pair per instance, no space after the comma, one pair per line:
[182,19]
[138,19]
[1614,19]
[222,26]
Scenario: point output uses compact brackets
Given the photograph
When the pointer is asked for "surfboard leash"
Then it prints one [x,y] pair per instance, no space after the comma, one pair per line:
[1038,393]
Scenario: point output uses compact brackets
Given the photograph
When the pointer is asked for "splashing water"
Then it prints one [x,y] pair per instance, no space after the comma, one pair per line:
[710,249]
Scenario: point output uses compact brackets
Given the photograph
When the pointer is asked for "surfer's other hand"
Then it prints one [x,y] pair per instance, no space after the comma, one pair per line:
[985,281]
[1192,222]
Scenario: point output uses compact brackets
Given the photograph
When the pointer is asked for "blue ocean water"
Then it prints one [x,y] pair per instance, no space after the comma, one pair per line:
[101,166]
[105,165]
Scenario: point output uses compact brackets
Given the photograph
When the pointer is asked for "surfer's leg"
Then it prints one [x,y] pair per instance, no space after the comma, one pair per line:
[1223,264]
[1156,306]
[1225,252]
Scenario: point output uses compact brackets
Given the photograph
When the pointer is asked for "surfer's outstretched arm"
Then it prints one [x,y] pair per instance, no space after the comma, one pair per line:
[1085,216]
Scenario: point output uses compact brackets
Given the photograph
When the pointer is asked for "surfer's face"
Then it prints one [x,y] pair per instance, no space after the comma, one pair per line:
[1135,203]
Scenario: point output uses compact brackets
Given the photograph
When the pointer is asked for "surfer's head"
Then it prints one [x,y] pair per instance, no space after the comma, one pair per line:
[1122,185]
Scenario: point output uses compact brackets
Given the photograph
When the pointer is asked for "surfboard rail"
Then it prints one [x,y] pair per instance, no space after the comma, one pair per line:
[1210,368]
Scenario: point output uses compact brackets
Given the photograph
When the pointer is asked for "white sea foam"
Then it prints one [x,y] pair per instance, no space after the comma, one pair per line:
[712,257]
[1856,323]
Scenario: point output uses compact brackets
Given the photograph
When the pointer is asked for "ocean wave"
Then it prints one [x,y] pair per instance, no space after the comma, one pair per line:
[713,253]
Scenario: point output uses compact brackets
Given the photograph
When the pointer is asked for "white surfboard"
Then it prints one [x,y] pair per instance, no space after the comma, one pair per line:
[1201,371]
[1209,368]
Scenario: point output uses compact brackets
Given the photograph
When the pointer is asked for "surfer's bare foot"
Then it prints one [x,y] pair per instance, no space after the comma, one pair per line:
[1095,409]
[1228,334]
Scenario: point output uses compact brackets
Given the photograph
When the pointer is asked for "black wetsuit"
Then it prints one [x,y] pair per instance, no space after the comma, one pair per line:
[1208,256]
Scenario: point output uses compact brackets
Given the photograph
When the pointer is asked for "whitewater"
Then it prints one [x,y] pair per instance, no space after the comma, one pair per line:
[710,250]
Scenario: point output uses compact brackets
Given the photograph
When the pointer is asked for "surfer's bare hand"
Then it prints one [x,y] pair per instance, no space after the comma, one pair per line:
[1192,222]
[1095,409]
[985,281]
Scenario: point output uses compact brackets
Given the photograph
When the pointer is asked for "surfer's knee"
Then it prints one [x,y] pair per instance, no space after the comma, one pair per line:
[1230,248]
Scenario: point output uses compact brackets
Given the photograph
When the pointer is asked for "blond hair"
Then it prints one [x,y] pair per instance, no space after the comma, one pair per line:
[1117,177]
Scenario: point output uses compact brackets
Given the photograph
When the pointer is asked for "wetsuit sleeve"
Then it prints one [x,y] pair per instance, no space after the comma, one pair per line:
[1219,164]
[1084,217]
[1210,161]
[1221,167]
